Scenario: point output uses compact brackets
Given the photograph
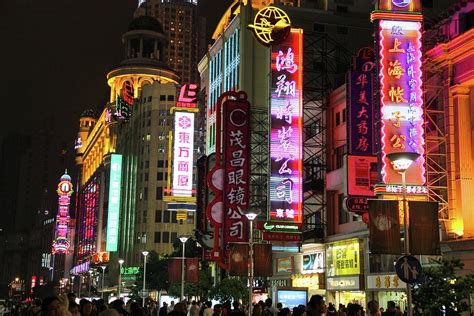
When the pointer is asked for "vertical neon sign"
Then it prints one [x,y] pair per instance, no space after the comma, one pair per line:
[286,125]
[113,218]
[183,154]
[401,97]
[61,243]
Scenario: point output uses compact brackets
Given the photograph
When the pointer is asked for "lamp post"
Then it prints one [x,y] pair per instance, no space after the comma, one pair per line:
[401,161]
[80,286]
[121,261]
[90,281]
[103,277]
[183,239]
[251,217]
[72,283]
[145,254]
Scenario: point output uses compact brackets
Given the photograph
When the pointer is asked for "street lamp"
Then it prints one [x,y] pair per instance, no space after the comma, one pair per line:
[121,261]
[90,281]
[103,277]
[145,254]
[72,283]
[183,239]
[401,161]
[251,217]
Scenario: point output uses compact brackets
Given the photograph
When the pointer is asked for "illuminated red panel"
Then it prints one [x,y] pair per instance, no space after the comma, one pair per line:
[401,97]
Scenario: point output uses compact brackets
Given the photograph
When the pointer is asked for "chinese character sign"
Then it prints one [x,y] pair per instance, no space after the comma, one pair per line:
[115,189]
[237,170]
[401,97]
[286,130]
[360,113]
[183,154]
[61,242]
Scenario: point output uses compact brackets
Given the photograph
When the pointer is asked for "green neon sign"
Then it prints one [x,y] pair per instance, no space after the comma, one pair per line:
[113,218]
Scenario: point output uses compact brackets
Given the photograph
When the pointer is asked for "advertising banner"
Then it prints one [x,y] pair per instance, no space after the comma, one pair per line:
[183,154]
[384,226]
[424,228]
[192,270]
[236,170]
[263,260]
[115,191]
[239,259]
[343,258]
[313,263]
[362,175]
[286,127]
[174,270]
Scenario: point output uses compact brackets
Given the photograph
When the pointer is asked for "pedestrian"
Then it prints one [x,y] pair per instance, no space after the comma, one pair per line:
[284,312]
[257,310]
[316,306]
[171,307]
[74,309]
[391,309]
[71,297]
[332,309]
[354,310]
[279,306]
[217,310]
[373,308]
[194,310]
[163,310]
[342,310]
[86,307]
[51,306]
[208,311]
[237,311]
[269,309]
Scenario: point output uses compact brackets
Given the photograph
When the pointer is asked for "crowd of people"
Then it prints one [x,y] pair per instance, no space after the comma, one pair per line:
[66,305]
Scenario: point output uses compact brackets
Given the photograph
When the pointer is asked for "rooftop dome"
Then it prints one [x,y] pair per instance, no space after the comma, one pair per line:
[66,177]
[145,22]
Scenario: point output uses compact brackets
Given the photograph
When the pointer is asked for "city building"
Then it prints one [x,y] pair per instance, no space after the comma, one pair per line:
[185,30]
[449,135]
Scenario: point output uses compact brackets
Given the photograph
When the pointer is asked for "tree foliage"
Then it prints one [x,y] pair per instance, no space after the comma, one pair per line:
[230,288]
[442,288]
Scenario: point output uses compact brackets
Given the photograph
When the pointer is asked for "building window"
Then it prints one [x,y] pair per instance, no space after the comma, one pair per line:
[166,237]
[174,236]
[166,216]
[338,118]
[173,217]
[317,27]
[147,164]
[162,97]
[190,218]
[157,237]
[146,176]
[342,9]
[158,214]
[344,118]
[340,153]
[342,30]
[149,98]
[159,176]
[145,193]
[159,193]
[145,214]
[160,163]
[343,214]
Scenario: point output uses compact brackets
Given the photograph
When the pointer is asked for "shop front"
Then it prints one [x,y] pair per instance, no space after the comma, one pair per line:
[314,282]
[344,275]
[386,287]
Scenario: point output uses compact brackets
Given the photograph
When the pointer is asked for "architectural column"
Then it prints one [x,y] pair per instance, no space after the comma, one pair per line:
[463,158]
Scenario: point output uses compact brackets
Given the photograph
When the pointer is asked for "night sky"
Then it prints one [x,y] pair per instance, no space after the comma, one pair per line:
[55,55]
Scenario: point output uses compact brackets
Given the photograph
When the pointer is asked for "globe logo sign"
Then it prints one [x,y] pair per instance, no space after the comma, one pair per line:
[271,26]
[401,3]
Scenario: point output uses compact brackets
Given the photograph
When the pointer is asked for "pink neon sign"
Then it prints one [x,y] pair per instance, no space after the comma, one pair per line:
[286,142]
[61,242]
[401,97]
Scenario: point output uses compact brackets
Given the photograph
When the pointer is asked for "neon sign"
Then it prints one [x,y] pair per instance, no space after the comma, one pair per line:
[401,97]
[61,243]
[113,218]
[286,130]
[188,96]
[183,154]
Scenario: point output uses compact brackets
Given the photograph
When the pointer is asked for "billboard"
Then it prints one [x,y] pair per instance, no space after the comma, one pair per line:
[362,175]
[343,258]
[313,263]
[183,154]
[384,227]
[292,298]
[401,97]
[286,126]
[113,217]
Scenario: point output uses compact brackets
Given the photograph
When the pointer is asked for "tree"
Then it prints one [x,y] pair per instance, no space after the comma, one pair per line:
[442,288]
[156,273]
[230,288]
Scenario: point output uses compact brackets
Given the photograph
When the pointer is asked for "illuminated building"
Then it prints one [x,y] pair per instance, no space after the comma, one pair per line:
[152,220]
[185,30]
[449,132]
[62,241]
[98,216]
